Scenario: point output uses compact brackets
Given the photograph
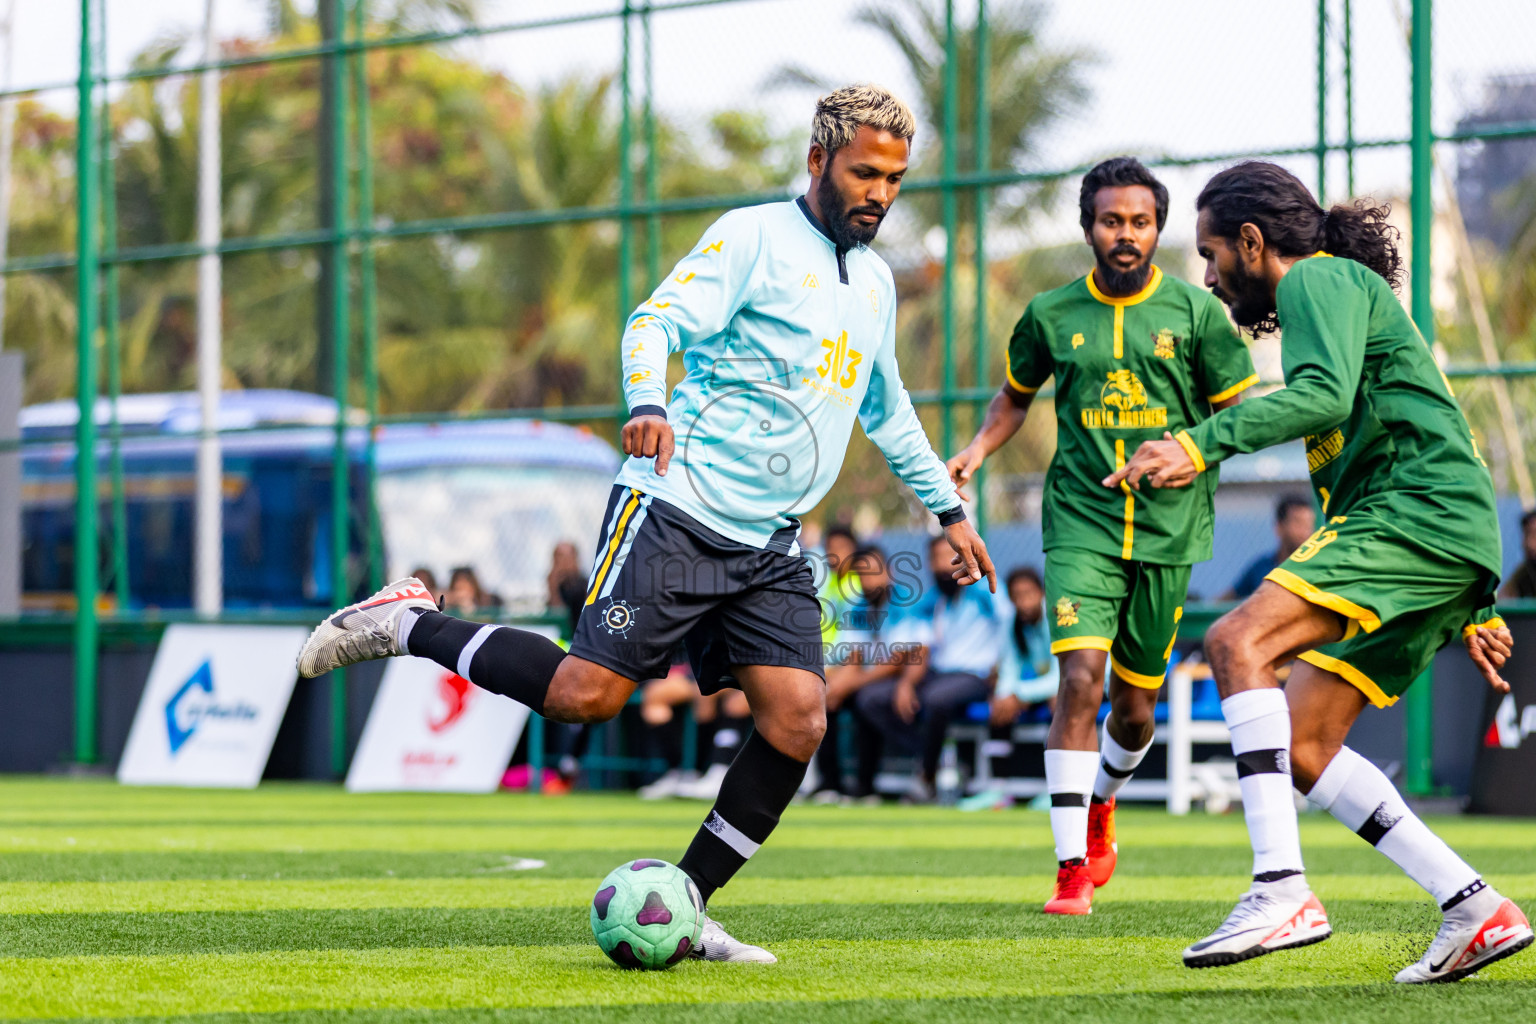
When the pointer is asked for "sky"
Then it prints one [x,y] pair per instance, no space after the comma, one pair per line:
[1176,76]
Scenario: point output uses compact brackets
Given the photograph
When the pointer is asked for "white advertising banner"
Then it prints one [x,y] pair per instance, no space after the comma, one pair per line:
[431,730]
[211,708]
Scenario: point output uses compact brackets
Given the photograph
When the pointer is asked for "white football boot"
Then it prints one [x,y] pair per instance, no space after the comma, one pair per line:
[1268,917]
[706,786]
[667,785]
[364,631]
[715,944]
[1470,938]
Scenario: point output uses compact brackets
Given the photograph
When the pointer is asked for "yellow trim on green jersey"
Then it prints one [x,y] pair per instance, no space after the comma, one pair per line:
[1472,627]
[1153,281]
[1015,384]
[1235,389]
[1130,504]
[1136,679]
[1130,300]
[1368,620]
[1190,449]
[1081,643]
[1351,675]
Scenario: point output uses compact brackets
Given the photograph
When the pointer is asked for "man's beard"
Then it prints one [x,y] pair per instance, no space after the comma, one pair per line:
[1251,306]
[947,584]
[1118,282]
[838,215]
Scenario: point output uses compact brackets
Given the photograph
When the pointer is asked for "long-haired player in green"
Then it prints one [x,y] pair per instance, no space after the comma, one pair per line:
[1134,353]
[1407,561]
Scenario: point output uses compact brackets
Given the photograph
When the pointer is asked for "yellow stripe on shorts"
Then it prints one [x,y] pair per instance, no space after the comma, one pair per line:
[614,543]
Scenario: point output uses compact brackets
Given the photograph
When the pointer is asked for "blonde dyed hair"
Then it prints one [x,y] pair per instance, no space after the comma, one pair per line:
[841,113]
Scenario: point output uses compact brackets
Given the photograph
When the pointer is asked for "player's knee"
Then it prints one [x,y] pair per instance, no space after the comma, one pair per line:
[1224,648]
[797,734]
[1081,691]
[582,698]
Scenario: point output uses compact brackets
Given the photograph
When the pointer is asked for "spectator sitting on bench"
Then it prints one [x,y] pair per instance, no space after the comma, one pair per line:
[857,655]
[1295,519]
[1027,672]
[959,631]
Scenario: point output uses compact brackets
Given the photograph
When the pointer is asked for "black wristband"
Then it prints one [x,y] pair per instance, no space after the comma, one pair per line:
[950,516]
[648,410]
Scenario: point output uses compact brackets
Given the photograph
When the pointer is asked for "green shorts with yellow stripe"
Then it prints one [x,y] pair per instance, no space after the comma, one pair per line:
[1400,601]
[1103,603]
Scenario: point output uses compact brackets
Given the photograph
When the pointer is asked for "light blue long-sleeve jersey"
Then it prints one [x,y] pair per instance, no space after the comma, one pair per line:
[785,339]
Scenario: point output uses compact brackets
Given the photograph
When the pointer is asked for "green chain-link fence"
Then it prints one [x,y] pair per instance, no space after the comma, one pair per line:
[437,214]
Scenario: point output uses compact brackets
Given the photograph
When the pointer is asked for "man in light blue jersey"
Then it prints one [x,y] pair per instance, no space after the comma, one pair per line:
[786,322]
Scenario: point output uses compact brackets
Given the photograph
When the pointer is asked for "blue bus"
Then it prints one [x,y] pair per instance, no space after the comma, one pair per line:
[496,495]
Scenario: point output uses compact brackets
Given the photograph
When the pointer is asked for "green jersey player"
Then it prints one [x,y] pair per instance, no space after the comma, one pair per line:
[1406,562]
[1135,353]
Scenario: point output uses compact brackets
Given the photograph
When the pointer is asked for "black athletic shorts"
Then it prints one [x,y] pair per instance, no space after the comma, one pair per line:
[661,578]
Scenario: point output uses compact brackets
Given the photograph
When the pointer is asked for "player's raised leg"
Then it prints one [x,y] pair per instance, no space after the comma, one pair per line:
[1480,926]
[1279,910]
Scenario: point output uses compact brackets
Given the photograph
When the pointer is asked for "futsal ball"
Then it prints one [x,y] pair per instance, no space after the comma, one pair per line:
[647,915]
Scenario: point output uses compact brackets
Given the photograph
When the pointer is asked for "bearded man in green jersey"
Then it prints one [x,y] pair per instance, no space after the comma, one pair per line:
[1134,354]
[1407,561]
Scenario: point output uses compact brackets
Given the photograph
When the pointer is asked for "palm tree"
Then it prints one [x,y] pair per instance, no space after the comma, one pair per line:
[1030,87]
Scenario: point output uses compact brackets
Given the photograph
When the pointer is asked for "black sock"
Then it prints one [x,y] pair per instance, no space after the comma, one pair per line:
[664,742]
[760,784]
[512,662]
[730,735]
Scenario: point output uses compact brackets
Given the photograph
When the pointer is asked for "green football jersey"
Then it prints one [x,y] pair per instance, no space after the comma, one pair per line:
[1383,431]
[1126,371]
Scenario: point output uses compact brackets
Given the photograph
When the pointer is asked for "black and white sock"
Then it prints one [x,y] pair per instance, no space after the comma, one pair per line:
[1260,723]
[1364,800]
[1069,780]
[1116,766]
[759,785]
[512,662]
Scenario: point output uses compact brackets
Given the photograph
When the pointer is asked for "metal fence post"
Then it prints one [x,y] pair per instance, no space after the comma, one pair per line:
[1349,102]
[373,545]
[110,320]
[947,197]
[982,160]
[87,214]
[1322,101]
[1420,698]
[336,256]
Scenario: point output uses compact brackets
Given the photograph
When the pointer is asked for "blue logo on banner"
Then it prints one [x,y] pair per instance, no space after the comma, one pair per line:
[202,679]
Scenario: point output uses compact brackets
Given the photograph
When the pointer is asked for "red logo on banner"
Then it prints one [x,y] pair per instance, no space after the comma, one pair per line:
[454,692]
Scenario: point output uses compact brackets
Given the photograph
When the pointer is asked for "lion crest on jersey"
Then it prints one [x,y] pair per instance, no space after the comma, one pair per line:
[1066,611]
[1123,391]
[1163,342]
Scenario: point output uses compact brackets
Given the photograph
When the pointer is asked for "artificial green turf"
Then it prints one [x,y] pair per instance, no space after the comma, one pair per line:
[302,904]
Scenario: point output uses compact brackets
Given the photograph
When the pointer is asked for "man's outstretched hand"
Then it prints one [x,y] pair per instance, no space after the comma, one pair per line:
[971,560]
[649,437]
[1489,650]
[1164,463]
[964,466]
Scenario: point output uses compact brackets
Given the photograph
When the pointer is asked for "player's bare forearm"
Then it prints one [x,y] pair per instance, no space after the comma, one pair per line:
[1005,415]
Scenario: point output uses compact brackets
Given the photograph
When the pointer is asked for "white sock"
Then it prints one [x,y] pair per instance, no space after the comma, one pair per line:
[1069,779]
[1260,723]
[1116,764]
[407,623]
[1364,800]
